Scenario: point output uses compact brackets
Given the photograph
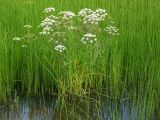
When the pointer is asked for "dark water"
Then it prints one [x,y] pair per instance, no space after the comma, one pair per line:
[29,109]
[126,111]
[44,109]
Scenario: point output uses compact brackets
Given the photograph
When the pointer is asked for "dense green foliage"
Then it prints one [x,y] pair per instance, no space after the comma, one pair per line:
[129,63]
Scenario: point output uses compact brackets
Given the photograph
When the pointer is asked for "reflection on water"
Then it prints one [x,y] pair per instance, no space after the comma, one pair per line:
[126,111]
[44,109]
[29,109]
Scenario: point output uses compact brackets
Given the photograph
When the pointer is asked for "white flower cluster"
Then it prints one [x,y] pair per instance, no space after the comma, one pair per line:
[112,30]
[28,26]
[48,10]
[49,21]
[85,12]
[16,39]
[46,31]
[57,27]
[101,13]
[60,48]
[47,24]
[92,17]
[88,38]
[67,15]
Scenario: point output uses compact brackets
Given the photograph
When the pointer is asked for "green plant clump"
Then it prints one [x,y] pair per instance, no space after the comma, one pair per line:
[77,49]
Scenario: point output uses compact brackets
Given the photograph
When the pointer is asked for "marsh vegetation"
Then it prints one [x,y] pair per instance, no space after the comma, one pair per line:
[98,59]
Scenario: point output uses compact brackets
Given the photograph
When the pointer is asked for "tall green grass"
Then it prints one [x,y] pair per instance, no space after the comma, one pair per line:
[127,64]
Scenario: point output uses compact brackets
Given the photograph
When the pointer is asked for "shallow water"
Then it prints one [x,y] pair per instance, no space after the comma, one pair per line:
[44,109]
[29,109]
[125,111]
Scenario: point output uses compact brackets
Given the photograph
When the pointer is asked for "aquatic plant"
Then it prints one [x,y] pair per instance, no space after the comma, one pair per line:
[120,64]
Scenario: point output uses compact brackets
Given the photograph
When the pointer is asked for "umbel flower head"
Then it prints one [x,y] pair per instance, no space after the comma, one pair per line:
[49,9]
[16,39]
[112,30]
[48,23]
[88,38]
[85,12]
[101,13]
[60,48]
[92,17]
[67,15]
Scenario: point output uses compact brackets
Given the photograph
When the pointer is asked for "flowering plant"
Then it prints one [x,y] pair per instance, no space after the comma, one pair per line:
[56,26]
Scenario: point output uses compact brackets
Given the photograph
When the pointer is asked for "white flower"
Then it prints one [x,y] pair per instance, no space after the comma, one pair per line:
[49,21]
[27,26]
[24,46]
[16,39]
[101,13]
[85,12]
[67,15]
[112,30]
[88,38]
[48,29]
[48,10]
[47,24]
[91,19]
[45,31]
[52,17]
[60,48]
